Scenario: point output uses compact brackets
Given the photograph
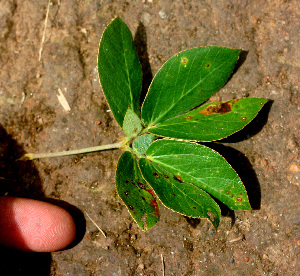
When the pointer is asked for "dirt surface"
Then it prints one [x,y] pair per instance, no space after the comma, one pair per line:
[264,241]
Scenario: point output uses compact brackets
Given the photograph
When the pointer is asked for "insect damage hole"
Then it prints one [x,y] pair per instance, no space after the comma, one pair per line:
[211,216]
[144,221]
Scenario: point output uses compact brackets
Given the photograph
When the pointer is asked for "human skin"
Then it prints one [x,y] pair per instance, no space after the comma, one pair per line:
[33,225]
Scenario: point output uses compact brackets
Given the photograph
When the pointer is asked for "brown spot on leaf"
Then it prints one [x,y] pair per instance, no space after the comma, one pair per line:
[143,198]
[194,207]
[221,108]
[151,192]
[239,199]
[184,60]
[188,118]
[154,204]
[178,178]
[165,176]
[126,193]
[127,181]
[244,118]
[207,65]
[156,174]
[131,207]
[141,185]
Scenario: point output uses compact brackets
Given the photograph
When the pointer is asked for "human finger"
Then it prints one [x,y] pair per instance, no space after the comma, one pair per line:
[33,225]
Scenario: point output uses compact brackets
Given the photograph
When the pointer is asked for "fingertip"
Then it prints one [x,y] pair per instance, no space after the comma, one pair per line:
[33,225]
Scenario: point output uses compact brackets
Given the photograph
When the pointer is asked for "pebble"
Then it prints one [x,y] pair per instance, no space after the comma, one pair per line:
[162,14]
[147,18]
[294,168]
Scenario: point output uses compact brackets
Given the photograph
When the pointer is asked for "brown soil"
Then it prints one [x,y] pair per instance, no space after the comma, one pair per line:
[264,241]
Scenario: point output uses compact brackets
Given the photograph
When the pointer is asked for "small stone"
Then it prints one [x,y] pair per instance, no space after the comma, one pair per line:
[133,237]
[141,266]
[162,14]
[40,121]
[147,18]
[294,168]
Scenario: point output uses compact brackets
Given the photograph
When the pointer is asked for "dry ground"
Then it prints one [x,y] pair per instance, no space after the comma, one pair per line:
[264,241]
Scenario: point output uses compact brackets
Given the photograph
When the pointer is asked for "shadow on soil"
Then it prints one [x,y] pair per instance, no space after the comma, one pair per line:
[140,42]
[21,179]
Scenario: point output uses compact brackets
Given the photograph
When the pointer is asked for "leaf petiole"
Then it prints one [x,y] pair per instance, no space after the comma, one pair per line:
[31,156]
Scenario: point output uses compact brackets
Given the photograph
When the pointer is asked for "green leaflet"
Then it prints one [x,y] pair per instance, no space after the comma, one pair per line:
[203,167]
[184,198]
[141,143]
[135,192]
[186,80]
[212,121]
[119,70]
[132,124]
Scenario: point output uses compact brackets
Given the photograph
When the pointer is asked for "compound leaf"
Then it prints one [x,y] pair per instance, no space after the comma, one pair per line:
[182,197]
[186,80]
[212,121]
[202,166]
[119,70]
[135,192]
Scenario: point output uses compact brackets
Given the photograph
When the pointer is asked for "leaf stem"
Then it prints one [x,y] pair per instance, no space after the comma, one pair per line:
[31,156]
[145,130]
